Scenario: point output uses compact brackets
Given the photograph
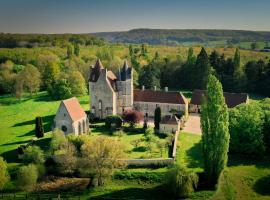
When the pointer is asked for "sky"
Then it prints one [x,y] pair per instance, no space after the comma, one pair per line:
[87,16]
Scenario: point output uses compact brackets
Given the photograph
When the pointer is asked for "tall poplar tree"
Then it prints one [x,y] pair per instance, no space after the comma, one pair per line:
[238,72]
[215,129]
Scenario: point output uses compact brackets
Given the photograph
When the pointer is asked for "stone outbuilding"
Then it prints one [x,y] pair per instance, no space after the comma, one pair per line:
[169,124]
[71,118]
[231,99]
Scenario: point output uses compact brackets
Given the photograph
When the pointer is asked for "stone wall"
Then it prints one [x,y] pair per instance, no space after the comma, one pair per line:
[102,97]
[148,108]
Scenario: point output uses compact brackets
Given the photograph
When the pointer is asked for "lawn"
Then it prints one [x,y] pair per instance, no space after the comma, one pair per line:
[17,121]
[244,178]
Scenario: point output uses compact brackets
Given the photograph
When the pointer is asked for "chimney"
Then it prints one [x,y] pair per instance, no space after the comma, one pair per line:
[143,88]
[166,89]
[155,88]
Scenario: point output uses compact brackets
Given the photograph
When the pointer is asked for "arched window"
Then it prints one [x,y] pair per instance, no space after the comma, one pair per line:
[80,128]
[100,105]
[83,126]
[64,128]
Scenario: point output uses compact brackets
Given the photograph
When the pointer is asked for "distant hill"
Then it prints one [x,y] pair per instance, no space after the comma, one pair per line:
[182,36]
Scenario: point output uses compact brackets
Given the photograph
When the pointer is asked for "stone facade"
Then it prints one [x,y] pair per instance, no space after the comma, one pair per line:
[169,124]
[111,95]
[70,118]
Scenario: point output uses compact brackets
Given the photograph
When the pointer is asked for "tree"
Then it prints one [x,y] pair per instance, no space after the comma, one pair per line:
[238,72]
[65,154]
[202,70]
[254,45]
[136,142]
[4,176]
[60,89]
[39,130]
[18,86]
[215,131]
[31,78]
[76,83]
[27,177]
[132,117]
[33,154]
[246,130]
[101,156]
[181,182]
[157,118]
[77,49]
[149,139]
[149,76]
[69,51]
[51,73]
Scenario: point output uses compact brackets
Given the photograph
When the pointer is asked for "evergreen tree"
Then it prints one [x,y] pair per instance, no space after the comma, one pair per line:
[157,118]
[202,70]
[215,129]
[238,72]
[39,130]
[149,76]
[77,49]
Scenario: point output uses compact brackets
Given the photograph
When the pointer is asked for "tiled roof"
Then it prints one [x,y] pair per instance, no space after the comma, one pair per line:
[159,97]
[231,99]
[169,119]
[74,108]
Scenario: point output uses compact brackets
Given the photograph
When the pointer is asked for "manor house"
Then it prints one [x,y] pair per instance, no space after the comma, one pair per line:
[111,94]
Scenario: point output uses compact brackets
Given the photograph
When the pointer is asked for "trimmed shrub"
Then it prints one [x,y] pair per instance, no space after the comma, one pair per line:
[113,122]
[143,176]
[39,130]
[27,177]
[4,176]
[181,182]
[157,118]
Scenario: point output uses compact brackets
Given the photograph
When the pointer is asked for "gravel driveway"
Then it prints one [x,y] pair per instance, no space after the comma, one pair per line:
[193,124]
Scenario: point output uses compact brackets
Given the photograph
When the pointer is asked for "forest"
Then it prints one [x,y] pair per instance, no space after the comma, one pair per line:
[60,64]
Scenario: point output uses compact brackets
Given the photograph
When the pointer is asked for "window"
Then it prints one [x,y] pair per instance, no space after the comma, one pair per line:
[64,128]
[80,128]
[168,108]
[100,105]
[84,126]
[64,114]
[146,106]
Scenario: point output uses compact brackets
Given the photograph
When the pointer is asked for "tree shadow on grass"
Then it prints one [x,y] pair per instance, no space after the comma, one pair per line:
[155,193]
[262,186]
[101,130]
[11,156]
[238,159]
[195,155]
[139,149]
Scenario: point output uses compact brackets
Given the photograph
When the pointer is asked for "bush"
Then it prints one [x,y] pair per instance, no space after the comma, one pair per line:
[181,182]
[113,122]
[33,154]
[246,129]
[27,177]
[132,117]
[4,176]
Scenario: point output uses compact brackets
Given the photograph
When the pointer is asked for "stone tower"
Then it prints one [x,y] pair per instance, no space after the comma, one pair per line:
[125,89]
[103,94]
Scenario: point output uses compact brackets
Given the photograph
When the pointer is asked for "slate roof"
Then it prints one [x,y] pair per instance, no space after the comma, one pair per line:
[169,119]
[231,99]
[159,97]
[95,71]
[74,108]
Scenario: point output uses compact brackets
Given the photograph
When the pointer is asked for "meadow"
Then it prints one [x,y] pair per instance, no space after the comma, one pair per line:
[244,178]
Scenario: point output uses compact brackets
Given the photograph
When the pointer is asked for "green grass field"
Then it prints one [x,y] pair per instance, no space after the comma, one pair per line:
[18,121]
[244,178]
